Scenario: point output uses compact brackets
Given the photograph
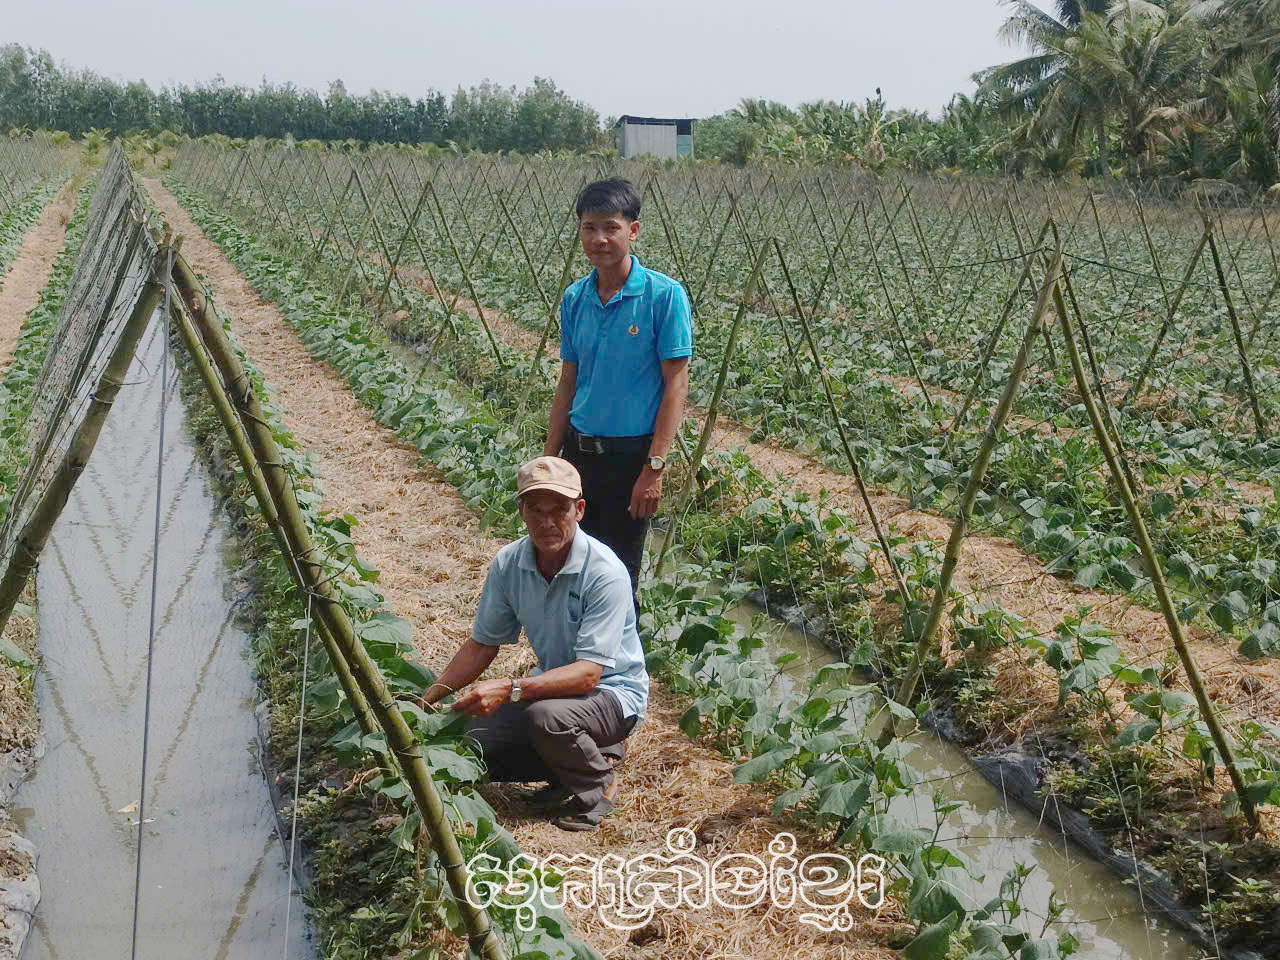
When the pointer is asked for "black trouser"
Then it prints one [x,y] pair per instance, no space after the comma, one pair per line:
[607,482]
[572,742]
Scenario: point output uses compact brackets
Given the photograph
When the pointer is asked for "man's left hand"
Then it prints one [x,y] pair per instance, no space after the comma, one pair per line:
[646,494]
[484,698]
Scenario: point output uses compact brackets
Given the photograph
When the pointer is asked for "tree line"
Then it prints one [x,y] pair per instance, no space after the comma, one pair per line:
[36,93]
[1188,89]
[1184,89]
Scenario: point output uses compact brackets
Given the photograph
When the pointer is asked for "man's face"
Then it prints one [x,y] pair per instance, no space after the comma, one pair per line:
[607,238]
[552,519]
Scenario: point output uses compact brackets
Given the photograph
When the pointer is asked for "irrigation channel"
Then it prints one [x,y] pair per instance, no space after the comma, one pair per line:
[214,876]
[1103,913]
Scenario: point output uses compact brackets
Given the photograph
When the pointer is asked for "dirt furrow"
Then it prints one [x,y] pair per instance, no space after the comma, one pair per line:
[20,287]
[433,558]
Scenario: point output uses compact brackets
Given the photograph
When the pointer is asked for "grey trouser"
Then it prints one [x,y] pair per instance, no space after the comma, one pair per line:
[567,741]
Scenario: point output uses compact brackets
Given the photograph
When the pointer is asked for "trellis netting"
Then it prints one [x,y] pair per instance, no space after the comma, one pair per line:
[114,288]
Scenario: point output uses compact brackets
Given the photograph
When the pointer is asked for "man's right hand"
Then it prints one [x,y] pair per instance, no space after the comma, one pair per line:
[485,697]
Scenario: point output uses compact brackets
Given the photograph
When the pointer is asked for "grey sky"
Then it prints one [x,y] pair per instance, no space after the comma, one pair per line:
[655,57]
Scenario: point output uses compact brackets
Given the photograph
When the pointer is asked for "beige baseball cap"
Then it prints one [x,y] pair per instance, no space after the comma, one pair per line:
[549,473]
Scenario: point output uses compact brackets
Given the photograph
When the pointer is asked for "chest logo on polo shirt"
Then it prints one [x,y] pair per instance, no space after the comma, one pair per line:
[633,330]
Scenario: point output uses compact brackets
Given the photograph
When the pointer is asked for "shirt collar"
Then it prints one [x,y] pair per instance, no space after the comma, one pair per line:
[633,287]
[635,279]
[577,555]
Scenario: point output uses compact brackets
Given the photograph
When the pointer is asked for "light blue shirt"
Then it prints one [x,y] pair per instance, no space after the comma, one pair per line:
[584,613]
[619,347]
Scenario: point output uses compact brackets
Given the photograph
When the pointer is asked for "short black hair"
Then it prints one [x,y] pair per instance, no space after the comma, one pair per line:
[609,197]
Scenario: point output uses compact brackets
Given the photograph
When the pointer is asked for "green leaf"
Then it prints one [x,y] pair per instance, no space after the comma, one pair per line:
[902,839]
[815,711]
[901,711]
[11,652]
[385,635]
[1230,610]
[1139,729]
[1089,576]
[932,898]
[787,798]
[696,636]
[1264,641]
[1039,950]
[1084,676]
[845,800]
[932,942]
[691,722]
[453,764]
[406,832]
[760,767]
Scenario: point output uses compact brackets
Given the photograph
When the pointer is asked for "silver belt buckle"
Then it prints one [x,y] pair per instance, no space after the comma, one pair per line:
[590,445]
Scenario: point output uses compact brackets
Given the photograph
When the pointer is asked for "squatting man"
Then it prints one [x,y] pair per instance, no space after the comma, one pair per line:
[566,722]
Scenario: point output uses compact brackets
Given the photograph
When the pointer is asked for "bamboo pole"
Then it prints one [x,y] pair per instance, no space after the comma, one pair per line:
[906,690]
[192,297]
[994,342]
[1022,252]
[1097,221]
[893,311]
[1259,423]
[328,608]
[854,467]
[1143,539]
[35,533]
[466,276]
[546,333]
[1133,391]
[395,262]
[696,460]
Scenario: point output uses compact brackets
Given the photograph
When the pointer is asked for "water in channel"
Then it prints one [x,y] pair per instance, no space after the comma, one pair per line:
[1103,913]
[214,881]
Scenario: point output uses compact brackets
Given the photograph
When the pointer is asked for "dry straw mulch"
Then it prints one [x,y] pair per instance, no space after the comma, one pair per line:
[433,558]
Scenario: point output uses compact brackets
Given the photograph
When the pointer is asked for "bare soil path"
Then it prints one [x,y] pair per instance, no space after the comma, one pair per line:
[20,287]
[433,559]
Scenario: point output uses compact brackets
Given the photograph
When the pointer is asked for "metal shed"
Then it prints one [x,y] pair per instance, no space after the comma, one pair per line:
[655,137]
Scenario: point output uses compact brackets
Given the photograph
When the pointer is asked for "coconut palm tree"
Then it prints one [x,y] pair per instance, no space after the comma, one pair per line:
[1142,62]
[1021,86]
[1253,27]
[1138,61]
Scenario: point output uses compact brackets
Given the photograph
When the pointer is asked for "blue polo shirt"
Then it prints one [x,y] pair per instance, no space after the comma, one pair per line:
[619,347]
[584,613]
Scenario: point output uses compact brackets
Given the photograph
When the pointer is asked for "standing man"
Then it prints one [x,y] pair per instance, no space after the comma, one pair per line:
[566,722]
[626,335]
